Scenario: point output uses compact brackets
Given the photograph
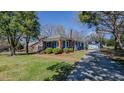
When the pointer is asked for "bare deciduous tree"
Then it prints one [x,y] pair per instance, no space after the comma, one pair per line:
[107,21]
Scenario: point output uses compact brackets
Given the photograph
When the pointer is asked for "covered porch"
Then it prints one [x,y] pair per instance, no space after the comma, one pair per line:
[62,42]
[57,44]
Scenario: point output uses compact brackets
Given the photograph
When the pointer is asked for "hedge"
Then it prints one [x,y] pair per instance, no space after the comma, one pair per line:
[70,49]
[57,50]
[48,50]
[67,50]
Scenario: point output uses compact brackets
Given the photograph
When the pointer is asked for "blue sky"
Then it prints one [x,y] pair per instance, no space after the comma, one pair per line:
[68,19]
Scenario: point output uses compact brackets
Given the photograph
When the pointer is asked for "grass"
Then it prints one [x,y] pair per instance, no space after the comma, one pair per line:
[24,68]
[36,67]
[70,57]
[77,54]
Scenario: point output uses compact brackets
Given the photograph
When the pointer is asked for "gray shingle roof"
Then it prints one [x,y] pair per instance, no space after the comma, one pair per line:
[62,37]
[56,38]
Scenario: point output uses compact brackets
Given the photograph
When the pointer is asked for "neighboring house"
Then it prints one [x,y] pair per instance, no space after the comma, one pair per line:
[4,46]
[36,46]
[57,41]
[94,45]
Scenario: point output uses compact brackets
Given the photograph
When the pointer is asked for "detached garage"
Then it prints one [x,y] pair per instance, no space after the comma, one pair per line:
[94,45]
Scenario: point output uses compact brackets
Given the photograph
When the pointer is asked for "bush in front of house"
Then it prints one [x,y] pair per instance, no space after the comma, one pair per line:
[48,50]
[57,50]
[70,49]
[66,50]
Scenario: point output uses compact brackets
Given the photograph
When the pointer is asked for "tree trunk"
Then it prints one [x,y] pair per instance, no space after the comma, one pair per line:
[118,45]
[27,42]
[26,47]
[12,50]
[12,46]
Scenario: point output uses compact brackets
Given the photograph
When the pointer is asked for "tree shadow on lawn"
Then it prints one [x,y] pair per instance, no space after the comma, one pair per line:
[62,70]
[108,67]
[113,52]
[117,55]
[97,67]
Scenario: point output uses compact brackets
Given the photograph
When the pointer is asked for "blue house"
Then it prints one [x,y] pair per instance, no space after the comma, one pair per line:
[62,41]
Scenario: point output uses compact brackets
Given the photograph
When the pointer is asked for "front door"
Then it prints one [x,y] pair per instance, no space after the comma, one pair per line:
[63,44]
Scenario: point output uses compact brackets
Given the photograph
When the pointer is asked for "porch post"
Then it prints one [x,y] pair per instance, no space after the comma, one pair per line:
[59,43]
[65,44]
[70,43]
[70,39]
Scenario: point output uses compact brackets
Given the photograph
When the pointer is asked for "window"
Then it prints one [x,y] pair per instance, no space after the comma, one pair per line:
[54,44]
[63,44]
[67,44]
[48,44]
[73,44]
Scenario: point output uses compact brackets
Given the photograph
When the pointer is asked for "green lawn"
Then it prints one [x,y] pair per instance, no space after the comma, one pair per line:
[28,67]
[77,54]
[69,57]
[37,67]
